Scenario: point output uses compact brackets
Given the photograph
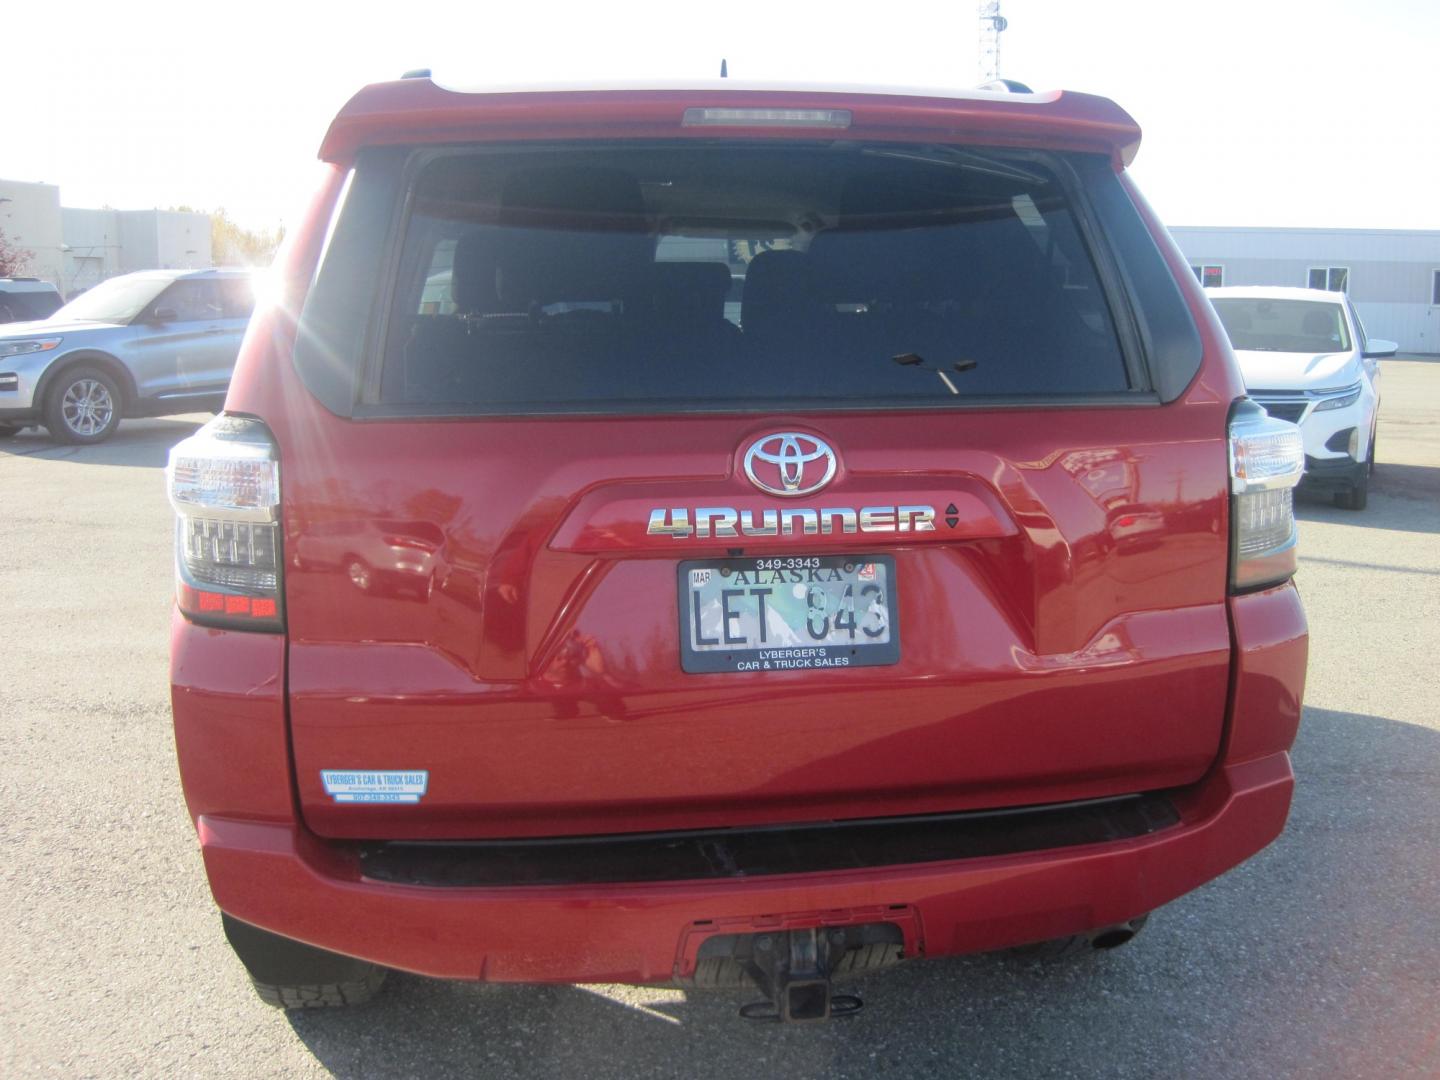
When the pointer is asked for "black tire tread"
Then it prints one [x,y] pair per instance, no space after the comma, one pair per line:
[877,954]
[1356,498]
[725,973]
[323,995]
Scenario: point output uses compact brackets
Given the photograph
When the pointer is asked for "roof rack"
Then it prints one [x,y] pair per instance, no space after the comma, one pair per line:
[417,73]
[1006,86]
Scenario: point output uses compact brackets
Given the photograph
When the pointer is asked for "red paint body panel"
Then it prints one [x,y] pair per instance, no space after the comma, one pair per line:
[281,879]
[227,693]
[518,637]
[1272,647]
[418,111]
[278,875]
[1024,671]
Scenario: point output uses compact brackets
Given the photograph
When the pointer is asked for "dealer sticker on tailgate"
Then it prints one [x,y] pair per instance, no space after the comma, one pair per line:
[366,786]
[788,613]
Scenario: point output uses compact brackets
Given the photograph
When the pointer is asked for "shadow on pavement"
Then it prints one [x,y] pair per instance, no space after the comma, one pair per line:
[1404,498]
[136,444]
[1409,481]
[1288,965]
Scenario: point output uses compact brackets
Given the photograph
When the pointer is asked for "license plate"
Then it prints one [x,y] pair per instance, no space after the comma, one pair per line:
[788,613]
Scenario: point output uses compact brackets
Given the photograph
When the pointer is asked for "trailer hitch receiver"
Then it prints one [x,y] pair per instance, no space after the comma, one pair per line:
[792,968]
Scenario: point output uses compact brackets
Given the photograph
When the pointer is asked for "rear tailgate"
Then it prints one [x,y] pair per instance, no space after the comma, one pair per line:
[539,683]
[483,552]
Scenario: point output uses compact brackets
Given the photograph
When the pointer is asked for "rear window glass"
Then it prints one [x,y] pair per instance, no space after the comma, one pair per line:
[17,306]
[1302,326]
[661,276]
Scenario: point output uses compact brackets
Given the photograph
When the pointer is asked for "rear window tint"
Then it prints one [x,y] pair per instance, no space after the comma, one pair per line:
[17,306]
[660,277]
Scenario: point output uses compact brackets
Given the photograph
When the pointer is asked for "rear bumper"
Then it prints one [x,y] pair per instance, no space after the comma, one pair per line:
[279,877]
[266,869]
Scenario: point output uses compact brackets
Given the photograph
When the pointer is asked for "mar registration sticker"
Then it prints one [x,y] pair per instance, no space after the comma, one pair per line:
[359,786]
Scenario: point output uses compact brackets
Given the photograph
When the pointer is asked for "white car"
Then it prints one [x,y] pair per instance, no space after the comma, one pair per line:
[1305,358]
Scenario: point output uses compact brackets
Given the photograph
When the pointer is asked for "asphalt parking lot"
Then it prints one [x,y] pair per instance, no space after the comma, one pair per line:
[1320,957]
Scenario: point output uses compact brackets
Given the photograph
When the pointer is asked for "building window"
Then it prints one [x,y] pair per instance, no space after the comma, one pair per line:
[1435,287]
[1209,275]
[1331,278]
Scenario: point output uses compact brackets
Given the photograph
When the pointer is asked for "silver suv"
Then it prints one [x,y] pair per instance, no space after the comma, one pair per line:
[144,344]
[27,298]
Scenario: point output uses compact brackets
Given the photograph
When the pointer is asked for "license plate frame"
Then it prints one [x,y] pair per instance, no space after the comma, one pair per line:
[810,654]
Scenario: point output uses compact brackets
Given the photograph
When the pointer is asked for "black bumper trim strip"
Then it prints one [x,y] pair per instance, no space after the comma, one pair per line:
[756,852]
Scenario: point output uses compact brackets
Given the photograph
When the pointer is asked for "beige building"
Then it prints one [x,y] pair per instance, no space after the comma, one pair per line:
[76,248]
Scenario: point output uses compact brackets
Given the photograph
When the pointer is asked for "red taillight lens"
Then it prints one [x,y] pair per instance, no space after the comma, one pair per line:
[225,487]
[1267,459]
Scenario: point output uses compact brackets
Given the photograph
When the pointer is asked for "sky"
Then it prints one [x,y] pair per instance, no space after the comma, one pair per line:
[1266,112]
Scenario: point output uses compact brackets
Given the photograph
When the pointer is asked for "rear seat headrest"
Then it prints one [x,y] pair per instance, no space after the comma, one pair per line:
[779,287]
[691,288]
[472,273]
[572,233]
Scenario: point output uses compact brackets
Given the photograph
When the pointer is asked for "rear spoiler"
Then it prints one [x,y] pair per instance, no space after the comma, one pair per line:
[416,109]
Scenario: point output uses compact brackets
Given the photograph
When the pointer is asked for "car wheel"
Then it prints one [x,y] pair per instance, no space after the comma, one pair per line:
[1076,945]
[292,975]
[9,430]
[321,995]
[360,575]
[83,406]
[1356,497]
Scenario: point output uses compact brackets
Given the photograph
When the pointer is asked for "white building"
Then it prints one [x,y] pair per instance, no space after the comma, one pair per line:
[1392,275]
[74,248]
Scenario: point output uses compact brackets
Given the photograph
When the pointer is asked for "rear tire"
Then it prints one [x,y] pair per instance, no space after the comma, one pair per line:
[289,974]
[1078,945]
[1356,497]
[322,995]
[82,406]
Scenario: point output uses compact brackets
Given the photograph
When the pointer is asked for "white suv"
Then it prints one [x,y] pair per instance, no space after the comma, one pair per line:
[1306,359]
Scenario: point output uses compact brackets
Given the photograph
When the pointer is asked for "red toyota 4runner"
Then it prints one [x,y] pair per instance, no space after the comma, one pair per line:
[723,535]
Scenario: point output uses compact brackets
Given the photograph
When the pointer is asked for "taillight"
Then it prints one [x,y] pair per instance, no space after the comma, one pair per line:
[1267,458]
[224,484]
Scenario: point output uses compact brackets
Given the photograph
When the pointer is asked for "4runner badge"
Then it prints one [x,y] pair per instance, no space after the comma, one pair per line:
[789,463]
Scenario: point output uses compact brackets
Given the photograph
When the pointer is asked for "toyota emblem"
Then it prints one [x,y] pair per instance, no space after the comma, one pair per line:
[789,463]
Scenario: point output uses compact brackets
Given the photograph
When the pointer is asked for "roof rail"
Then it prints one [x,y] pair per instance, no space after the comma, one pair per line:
[1006,86]
[417,73]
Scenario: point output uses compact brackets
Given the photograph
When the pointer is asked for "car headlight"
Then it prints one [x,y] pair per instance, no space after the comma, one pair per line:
[34,345]
[1344,401]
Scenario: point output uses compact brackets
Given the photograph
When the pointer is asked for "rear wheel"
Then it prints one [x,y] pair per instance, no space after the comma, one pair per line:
[321,995]
[1077,945]
[1356,496]
[292,975]
[360,574]
[82,406]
